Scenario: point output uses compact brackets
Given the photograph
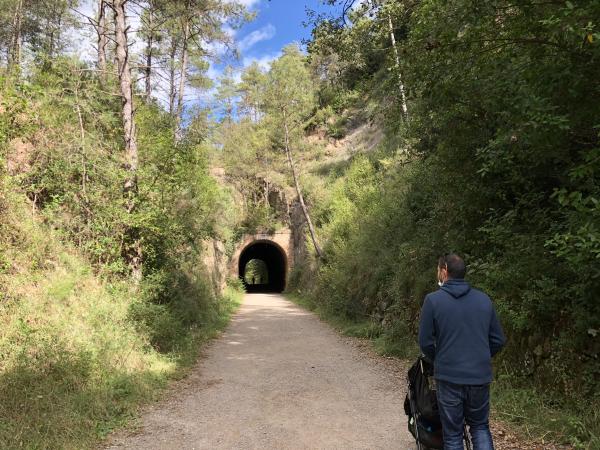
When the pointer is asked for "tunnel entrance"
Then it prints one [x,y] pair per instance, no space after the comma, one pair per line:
[262,267]
[256,272]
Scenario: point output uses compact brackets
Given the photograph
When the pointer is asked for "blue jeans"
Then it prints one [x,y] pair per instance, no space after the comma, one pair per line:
[460,403]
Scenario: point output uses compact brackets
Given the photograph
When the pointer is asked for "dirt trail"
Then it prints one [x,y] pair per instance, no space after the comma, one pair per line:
[278,378]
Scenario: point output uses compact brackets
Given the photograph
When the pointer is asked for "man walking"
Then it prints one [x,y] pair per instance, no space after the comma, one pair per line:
[460,332]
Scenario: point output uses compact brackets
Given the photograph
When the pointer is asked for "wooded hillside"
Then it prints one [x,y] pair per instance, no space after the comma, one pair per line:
[481,123]
[105,205]
[491,151]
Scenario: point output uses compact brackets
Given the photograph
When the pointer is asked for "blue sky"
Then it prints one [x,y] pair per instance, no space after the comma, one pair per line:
[277,23]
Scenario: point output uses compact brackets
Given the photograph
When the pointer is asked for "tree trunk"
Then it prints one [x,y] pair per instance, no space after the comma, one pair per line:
[102,40]
[132,250]
[14,63]
[182,78]
[172,88]
[149,44]
[81,145]
[299,192]
[397,63]
[50,39]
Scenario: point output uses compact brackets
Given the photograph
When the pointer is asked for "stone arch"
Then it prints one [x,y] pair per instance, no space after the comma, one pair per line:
[274,249]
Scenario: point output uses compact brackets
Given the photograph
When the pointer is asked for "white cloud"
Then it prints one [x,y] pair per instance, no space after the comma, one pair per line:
[251,39]
[213,72]
[219,49]
[247,3]
[264,61]
[83,40]
[358,4]
[215,48]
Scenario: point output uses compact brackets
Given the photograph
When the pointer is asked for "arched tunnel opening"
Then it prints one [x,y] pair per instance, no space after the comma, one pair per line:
[262,267]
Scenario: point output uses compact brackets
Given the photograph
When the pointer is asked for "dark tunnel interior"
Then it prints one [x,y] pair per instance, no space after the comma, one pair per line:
[273,257]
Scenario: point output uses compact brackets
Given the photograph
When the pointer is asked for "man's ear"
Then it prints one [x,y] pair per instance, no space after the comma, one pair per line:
[444,271]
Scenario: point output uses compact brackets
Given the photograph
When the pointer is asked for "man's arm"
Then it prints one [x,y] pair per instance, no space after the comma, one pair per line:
[427,330]
[496,337]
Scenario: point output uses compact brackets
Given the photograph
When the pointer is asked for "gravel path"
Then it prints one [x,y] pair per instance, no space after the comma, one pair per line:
[278,378]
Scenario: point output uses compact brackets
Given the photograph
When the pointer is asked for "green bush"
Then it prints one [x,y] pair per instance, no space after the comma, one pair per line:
[81,346]
[384,229]
[498,161]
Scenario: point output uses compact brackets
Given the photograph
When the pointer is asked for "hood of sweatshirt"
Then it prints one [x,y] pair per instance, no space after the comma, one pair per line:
[456,287]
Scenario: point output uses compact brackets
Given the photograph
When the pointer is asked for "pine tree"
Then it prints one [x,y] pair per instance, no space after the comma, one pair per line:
[133,248]
[251,90]
[289,99]
[227,91]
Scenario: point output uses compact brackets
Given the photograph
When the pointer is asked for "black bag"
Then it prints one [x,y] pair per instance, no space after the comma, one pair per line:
[420,377]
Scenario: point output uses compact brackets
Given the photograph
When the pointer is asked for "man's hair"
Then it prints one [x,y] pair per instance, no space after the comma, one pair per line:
[454,264]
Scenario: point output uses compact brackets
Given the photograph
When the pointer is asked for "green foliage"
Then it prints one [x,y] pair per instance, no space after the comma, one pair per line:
[289,95]
[498,162]
[226,94]
[75,364]
[259,218]
[81,347]
[72,365]
[43,29]
[256,272]
[537,413]
[272,112]
[334,124]
[252,90]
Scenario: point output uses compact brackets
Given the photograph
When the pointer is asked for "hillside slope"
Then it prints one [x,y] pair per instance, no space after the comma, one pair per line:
[75,360]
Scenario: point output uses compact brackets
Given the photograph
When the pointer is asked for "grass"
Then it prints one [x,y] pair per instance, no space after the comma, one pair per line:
[73,365]
[542,417]
[74,368]
[534,415]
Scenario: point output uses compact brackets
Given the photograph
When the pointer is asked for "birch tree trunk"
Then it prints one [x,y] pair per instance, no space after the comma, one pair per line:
[102,40]
[288,152]
[397,64]
[132,250]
